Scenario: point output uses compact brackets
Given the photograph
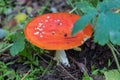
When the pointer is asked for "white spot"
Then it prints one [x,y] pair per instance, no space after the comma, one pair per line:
[40,29]
[41,36]
[36,33]
[43,32]
[85,39]
[53,32]
[43,26]
[48,17]
[46,20]
[58,20]
[60,24]
[40,24]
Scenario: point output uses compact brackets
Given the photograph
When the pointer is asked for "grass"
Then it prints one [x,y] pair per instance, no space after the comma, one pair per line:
[32,74]
[28,54]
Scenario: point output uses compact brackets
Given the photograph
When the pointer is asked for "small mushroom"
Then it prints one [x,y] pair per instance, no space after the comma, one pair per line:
[52,31]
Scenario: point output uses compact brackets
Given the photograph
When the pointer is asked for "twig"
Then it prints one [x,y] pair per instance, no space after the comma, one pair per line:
[73,10]
[48,67]
[70,2]
[25,75]
[43,59]
[49,56]
[67,72]
[82,68]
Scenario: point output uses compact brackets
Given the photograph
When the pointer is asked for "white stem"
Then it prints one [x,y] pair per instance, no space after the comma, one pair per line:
[60,57]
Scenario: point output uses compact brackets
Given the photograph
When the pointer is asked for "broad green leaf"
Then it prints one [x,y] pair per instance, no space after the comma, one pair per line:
[115,37]
[85,7]
[112,75]
[82,22]
[108,5]
[106,23]
[115,1]
[18,44]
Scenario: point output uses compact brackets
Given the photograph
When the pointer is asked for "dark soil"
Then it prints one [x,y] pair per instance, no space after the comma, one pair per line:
[81,61]
[91,54]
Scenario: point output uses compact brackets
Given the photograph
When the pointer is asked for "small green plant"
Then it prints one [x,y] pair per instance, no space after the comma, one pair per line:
[5,6]
[109,74]
[104,17]
[85,76]
[112,75]
[18,43]
[32,74]
[14,39]
[5,72]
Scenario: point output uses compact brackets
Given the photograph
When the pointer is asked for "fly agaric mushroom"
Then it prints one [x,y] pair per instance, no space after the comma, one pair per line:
[52,31]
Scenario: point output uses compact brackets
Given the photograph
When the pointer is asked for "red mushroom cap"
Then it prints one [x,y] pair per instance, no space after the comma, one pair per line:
[52,31]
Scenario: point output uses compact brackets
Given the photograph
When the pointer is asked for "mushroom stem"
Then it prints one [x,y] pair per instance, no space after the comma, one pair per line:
[61,57]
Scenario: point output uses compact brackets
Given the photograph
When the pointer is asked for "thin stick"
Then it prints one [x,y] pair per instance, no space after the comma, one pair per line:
[73,10]
[25,75]
[43,59]
[48,67]
[67,72]
[70,2]
[49,56]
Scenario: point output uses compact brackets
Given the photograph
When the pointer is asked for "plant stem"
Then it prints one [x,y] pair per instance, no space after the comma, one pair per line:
[115,50]
[2,50]
[74,8]
[114,55]
[25,75]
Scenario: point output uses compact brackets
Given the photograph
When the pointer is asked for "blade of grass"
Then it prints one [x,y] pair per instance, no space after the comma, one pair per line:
[114,55]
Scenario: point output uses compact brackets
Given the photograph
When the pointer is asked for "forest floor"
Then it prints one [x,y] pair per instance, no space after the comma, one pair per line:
[91,57]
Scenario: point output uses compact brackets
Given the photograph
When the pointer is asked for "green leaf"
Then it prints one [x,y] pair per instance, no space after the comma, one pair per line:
[108,5]
[82,22]
[87,78]
[115,37]
[20,17]
[2,3]
[106,23]
[85,7]
[112,75]
[18,44]
[95,72]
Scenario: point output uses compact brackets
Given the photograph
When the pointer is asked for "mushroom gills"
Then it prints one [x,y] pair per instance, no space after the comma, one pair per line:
[61,57]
